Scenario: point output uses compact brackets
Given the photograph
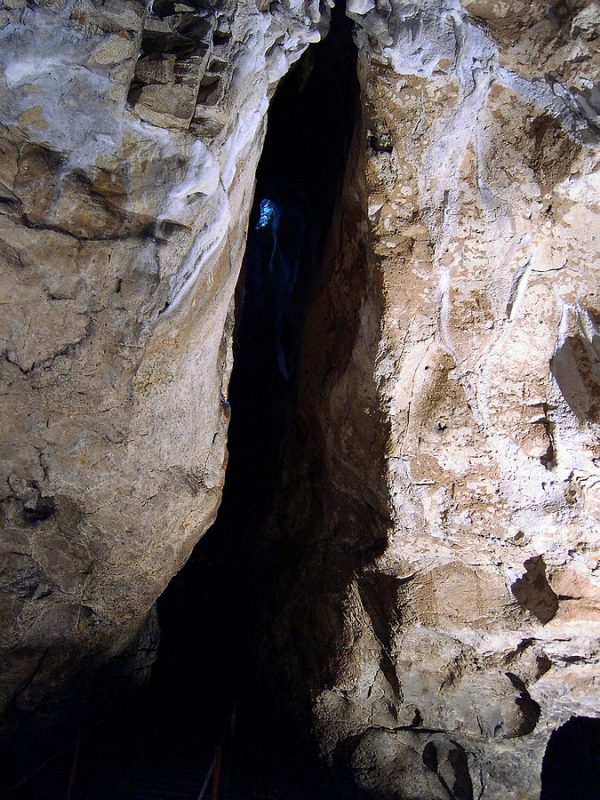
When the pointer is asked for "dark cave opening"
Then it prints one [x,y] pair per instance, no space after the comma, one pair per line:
[571,765]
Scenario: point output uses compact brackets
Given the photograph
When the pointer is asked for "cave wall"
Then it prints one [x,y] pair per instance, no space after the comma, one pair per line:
[129,142]
[439,612]
[455,614]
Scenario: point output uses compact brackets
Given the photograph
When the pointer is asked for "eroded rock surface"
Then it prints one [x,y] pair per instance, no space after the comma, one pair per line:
[438,614]
[129,142]
[454,610]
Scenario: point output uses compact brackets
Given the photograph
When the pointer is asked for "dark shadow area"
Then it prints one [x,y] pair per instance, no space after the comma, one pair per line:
[205,691]
[576,368]
[329,520]
[533,591]
[571,766]
[210,613]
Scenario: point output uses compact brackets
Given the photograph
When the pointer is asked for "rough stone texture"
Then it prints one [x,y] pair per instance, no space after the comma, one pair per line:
[454,611]
[125,187]
[440,611]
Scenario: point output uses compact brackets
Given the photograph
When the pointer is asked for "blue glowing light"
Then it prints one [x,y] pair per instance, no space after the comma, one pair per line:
[265,214]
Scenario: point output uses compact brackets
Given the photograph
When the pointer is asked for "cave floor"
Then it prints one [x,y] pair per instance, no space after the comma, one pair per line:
[137,755]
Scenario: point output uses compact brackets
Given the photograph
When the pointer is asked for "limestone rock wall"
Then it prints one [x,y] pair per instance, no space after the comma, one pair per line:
[439,612]
[469,632]
[129,141]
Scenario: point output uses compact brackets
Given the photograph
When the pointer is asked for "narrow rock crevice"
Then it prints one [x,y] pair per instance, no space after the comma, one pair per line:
[225,615]
[298,183]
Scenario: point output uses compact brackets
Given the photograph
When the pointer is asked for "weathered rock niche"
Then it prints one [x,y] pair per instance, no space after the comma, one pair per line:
[401,560]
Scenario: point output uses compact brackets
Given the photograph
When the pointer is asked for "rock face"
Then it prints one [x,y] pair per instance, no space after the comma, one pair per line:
[439,611]
[127,157]
[446,509]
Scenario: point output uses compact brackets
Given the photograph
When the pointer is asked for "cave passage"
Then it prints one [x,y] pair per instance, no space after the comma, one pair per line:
[210,613]
[571,766]
[205,678]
